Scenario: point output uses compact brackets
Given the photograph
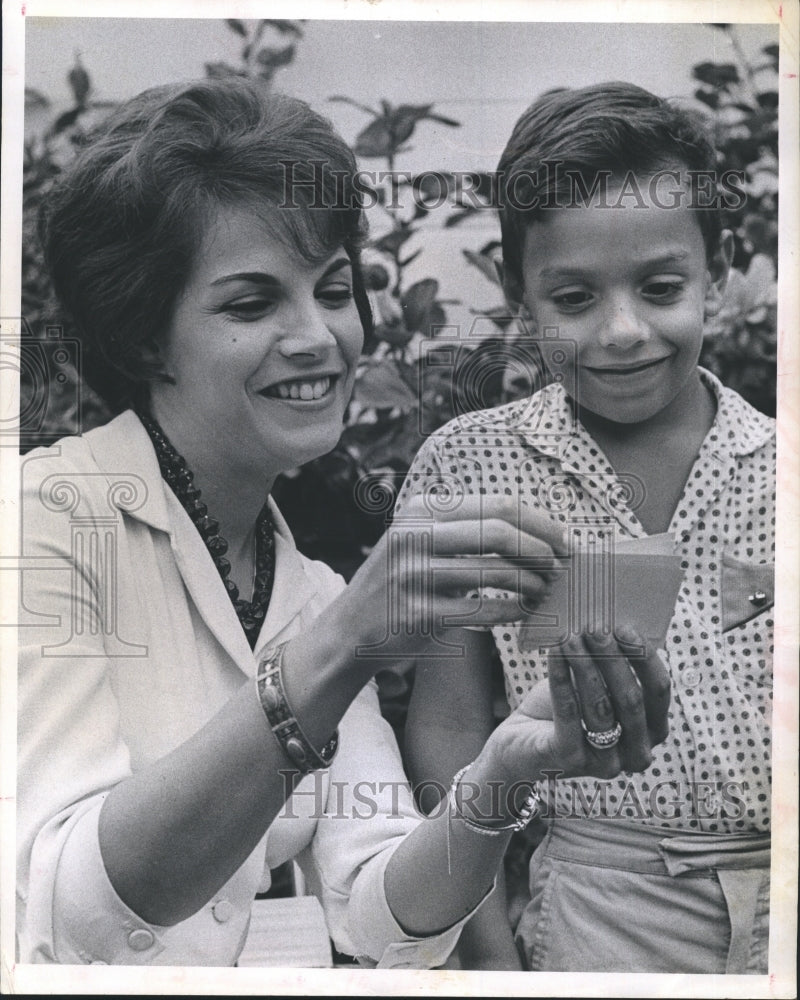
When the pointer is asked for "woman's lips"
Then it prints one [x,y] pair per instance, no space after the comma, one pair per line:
[300,389]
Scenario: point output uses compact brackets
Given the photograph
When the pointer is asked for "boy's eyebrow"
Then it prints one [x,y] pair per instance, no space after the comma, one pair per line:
[673,257]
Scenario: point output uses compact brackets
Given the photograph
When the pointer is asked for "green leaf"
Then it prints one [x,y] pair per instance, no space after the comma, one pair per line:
[484,264]
[220,70]
[35,99]
[285,27]
[236,25]
[270,58]
[393,240]
[418,302]
[380,386]
[375,140]
[340,99]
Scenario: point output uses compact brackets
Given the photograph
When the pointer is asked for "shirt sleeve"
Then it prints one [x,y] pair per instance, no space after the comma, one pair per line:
[368,812]
[70,751]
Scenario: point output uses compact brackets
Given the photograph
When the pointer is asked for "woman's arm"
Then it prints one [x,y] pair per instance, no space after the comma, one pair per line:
[450,717]
[172,834]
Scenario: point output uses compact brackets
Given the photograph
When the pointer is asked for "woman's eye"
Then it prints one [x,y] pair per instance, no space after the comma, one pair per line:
[335,296]
[249,308]
[663,291]
[573,299]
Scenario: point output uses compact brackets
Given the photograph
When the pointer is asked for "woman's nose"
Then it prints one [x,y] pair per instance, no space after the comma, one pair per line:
[307,332]
[623,325]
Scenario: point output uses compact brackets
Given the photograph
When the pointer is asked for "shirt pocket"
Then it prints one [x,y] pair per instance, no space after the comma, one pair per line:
[748,590]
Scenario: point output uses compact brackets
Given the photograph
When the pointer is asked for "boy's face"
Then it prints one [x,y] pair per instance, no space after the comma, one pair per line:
[629,286]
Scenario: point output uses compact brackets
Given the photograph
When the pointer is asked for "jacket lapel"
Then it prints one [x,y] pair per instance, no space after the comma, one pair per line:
[122,448]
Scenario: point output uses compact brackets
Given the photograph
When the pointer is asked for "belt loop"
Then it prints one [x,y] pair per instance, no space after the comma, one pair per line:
[740,888]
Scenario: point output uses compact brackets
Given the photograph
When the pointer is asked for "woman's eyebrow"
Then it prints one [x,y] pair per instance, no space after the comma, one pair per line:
[263,278]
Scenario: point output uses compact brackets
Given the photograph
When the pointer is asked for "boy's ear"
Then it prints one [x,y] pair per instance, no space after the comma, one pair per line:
[512,288]
[718,270]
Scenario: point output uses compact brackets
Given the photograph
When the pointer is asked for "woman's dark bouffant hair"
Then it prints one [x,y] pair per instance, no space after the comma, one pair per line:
[121,226]
[613,128]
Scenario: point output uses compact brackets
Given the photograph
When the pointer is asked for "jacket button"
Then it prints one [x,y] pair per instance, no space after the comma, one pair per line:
[140,940]
[222,910]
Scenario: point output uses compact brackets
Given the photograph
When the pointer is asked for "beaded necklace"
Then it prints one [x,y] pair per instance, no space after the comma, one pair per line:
[180,480]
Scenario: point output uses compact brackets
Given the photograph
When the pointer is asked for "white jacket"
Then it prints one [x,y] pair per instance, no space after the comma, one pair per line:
[128,645]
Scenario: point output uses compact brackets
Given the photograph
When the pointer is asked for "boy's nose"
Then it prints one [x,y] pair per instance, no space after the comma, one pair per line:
[623,326]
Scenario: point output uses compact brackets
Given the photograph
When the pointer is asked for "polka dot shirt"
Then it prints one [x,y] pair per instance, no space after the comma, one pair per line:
[712,773]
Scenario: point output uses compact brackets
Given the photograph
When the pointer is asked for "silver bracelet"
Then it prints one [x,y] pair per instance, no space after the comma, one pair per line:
[525,813]
[282,721]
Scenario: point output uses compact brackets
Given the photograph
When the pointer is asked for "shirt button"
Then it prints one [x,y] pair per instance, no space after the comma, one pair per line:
[691,678]
[222,910]
[98,961]
[140,940]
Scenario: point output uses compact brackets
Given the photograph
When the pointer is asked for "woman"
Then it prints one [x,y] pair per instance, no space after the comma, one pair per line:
[183,669]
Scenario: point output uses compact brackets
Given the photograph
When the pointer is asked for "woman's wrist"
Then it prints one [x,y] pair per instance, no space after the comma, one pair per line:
[480,797]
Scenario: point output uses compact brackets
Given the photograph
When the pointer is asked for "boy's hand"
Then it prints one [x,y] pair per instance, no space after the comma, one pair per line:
[560,726]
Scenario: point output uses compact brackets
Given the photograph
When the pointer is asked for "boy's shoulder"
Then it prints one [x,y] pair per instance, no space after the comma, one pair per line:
[740,426]
[541,415]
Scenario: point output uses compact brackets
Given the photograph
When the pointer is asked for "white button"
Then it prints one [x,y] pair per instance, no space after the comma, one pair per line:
[691,678]
[222,910]
[140,940]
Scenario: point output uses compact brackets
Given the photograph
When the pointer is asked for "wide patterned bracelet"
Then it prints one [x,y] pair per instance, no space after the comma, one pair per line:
[525,813]
[282,721]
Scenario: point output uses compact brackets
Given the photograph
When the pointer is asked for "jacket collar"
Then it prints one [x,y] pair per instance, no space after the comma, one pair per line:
[124,444]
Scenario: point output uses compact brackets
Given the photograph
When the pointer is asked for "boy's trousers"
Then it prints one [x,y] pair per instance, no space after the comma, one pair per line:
[615,896]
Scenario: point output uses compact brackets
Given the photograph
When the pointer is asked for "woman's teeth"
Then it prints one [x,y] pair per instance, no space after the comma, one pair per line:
[299,389]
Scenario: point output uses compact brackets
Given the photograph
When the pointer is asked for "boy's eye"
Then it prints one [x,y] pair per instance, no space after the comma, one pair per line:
[572,299]
[663,291]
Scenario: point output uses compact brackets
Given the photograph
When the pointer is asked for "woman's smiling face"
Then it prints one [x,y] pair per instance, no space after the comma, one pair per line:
[262,348]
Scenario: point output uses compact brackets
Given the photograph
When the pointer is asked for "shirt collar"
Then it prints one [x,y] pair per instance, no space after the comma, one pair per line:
[549,423]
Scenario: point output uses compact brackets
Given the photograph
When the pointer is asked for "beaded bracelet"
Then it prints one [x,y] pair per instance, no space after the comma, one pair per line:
[524,814]
[283,723]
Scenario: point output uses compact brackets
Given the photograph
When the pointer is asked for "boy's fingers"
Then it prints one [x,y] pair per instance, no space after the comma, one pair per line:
[597,710]
[654,679]
[627,700]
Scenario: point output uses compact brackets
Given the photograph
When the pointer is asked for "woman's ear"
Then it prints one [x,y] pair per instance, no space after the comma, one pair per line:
[718,270]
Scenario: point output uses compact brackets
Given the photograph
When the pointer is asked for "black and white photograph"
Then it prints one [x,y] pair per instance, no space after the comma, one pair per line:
[399,469]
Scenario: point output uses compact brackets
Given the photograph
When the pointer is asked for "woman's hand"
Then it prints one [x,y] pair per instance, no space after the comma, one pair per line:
[593,688]
[422,579]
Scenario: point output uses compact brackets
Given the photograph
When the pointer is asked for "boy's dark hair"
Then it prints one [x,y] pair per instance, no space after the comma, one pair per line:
[120,228]
[614,129]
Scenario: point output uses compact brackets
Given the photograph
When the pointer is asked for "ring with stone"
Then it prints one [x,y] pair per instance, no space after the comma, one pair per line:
[603,740]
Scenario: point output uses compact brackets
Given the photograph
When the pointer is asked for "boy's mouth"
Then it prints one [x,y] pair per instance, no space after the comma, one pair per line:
[626,369]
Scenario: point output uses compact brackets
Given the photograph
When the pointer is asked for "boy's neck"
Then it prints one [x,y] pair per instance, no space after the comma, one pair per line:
[660,451]
[681,425]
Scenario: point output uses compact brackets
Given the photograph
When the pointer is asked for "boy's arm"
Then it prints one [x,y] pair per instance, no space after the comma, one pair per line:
[450,718]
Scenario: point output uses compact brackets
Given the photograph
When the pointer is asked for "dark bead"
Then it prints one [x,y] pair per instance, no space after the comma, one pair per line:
[217,545]
[223,566]
[196,507]
[207,525]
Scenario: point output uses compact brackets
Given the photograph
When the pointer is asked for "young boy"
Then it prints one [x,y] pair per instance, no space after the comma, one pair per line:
[613,257]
